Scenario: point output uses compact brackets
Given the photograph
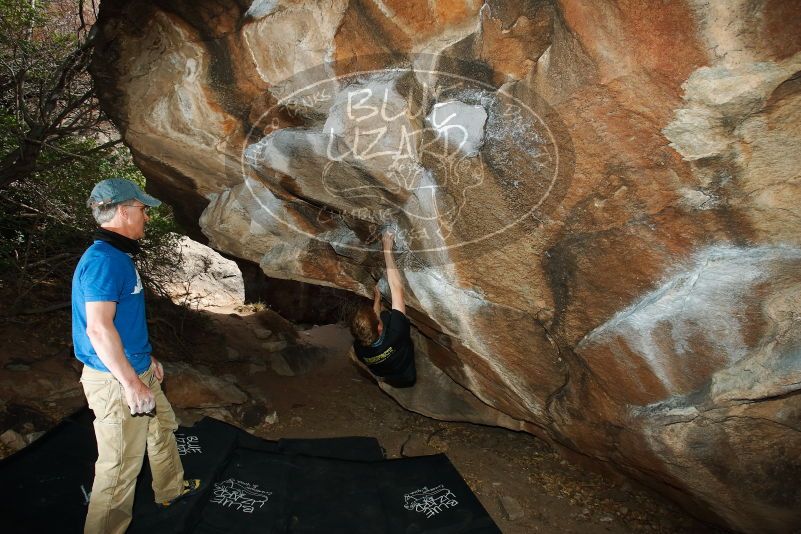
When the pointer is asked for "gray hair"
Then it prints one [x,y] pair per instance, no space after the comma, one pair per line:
[103,213]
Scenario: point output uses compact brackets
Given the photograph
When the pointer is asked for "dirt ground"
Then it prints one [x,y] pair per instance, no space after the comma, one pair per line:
[523,484]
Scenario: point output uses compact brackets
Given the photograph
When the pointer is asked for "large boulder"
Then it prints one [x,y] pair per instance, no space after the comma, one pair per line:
[597,204]
[204,278]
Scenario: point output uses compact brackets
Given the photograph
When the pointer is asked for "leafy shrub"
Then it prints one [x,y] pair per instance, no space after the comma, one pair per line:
[45,225]
[55,144]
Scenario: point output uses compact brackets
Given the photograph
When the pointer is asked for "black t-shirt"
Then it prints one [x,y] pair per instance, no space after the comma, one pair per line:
[393,357]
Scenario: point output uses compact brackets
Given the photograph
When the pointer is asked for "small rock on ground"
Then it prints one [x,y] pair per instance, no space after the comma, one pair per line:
[274,346]
[511,508]
[33,436]
[262,333]
[13,440]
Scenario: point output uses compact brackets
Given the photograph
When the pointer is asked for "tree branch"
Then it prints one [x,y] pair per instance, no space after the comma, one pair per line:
[46,309]
[72,106]
[81,155]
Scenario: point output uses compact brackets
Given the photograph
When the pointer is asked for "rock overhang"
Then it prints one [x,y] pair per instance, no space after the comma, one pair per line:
[621,316]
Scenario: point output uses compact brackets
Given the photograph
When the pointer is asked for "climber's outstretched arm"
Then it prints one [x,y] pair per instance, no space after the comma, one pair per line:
[377,301]
[393,275]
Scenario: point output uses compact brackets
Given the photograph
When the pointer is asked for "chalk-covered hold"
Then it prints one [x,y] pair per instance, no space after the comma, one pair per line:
[459,125]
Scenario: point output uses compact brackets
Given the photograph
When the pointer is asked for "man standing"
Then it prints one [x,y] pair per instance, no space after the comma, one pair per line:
[382,338]
[120,378]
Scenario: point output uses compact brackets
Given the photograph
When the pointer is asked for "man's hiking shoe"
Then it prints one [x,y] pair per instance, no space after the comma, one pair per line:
[191,487]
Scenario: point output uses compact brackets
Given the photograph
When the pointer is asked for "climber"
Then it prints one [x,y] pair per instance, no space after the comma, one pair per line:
[382,338]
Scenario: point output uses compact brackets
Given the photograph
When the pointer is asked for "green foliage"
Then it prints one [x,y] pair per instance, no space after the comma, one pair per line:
[55,144]
[18,18]
[45,225]
[47,99]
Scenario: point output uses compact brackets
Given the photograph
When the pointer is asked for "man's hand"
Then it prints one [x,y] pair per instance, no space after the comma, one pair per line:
[158,369]
[139,397]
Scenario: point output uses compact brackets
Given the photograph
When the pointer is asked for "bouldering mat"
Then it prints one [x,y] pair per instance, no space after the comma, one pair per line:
[249,485]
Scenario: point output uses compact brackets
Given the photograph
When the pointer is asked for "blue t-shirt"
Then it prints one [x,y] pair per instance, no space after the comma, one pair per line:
[106,274]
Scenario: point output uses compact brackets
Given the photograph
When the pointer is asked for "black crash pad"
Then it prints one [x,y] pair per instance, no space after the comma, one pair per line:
[336,485]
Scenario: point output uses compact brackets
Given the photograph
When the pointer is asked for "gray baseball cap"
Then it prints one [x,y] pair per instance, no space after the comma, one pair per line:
[116,190]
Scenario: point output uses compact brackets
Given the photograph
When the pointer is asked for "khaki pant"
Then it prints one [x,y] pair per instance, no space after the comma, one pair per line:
[121,442]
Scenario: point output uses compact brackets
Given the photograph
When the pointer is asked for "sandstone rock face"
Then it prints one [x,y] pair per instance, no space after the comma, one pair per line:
[597,205]
[205,278]
[195,387]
